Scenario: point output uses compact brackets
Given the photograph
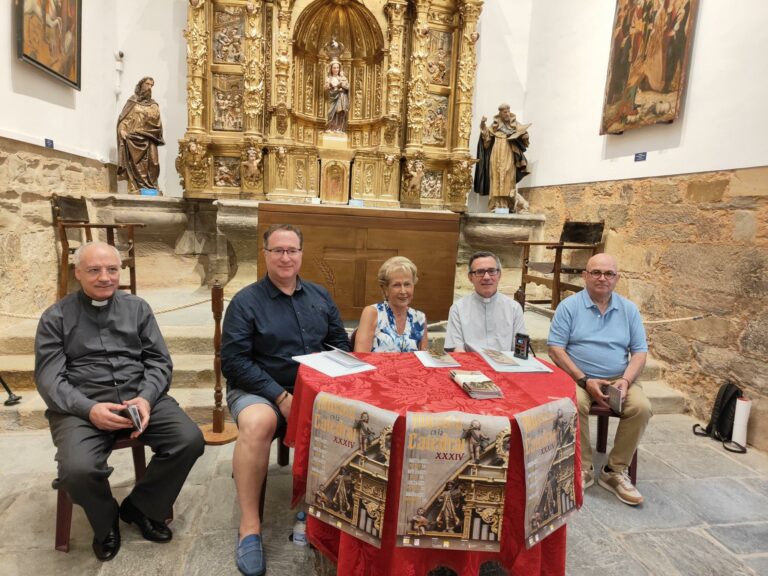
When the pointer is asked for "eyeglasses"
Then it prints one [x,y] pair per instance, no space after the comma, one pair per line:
[492,272]
[609,274]
[283,251]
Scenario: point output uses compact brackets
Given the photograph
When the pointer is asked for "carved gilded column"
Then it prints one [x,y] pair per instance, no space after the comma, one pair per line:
[395,11]
[470,12]
[197,56]
[417,85]
[253,72]
[283,65]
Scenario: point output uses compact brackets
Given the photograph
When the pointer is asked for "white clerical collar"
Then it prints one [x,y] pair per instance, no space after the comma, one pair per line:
[486,300]
[100,303]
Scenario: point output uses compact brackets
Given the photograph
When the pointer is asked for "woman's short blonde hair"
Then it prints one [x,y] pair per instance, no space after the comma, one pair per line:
[393,265]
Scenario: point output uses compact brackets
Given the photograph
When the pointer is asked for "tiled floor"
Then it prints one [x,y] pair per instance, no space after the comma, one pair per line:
[706,512]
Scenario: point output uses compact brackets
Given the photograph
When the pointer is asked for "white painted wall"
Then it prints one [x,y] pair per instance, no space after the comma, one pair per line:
[723,123]
[35,106]
[548,59]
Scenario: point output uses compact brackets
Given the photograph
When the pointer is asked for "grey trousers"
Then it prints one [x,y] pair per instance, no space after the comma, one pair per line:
[83,449]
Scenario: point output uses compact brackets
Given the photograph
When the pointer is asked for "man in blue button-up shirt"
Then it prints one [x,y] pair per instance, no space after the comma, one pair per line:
[266,324]
[598,337]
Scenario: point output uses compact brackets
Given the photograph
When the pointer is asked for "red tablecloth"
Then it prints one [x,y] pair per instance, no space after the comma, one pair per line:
[401,383]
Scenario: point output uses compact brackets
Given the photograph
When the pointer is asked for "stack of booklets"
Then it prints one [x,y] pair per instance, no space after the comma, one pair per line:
[476,384]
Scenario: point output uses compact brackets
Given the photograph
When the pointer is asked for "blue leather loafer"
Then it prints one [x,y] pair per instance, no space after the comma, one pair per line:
[249,556]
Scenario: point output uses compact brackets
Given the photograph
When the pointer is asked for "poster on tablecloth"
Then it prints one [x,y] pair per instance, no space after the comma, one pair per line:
[453,482]
[349,465]
[549,446]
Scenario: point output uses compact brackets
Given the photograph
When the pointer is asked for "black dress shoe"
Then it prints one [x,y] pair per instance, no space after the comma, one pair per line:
[109,547]
[150,529]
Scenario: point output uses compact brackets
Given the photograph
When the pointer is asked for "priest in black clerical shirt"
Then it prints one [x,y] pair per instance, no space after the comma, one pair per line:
[97,352]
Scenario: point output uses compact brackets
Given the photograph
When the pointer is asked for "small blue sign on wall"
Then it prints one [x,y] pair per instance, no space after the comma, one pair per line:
[640,156]
[48,143]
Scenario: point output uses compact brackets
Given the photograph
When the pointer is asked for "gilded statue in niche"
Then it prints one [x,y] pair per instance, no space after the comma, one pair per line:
[227,102]
[439,61]
[251,165]
[226,172]
[337,87]
[228,34]
[414,176]
[437,120]
[501,160]
[334,181]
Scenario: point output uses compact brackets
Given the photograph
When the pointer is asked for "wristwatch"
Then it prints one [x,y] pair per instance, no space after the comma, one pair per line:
[582,382]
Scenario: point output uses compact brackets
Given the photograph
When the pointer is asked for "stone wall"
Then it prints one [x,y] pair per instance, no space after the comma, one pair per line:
[688,245]
[28,260]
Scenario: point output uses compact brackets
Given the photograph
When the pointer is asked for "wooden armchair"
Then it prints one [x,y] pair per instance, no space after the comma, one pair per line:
[73,228]
[575,236]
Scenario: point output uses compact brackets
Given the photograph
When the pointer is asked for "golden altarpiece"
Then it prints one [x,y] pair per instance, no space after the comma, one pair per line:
[260,74]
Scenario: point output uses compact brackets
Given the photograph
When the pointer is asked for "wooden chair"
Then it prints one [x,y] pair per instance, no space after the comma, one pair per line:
[64,502]
[603,413]
[70,214]
[574,236]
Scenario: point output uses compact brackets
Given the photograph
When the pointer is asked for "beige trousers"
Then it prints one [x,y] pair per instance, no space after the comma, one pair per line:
[634,419]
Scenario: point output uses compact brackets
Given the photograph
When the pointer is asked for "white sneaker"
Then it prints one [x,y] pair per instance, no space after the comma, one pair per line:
[587,478]
[620,484]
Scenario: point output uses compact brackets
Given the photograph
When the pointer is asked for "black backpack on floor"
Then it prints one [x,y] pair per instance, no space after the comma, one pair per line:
[720,425]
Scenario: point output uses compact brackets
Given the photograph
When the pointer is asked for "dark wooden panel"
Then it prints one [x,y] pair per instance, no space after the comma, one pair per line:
[344,248]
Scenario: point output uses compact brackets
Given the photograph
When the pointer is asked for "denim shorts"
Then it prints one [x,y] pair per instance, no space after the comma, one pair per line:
[238,400]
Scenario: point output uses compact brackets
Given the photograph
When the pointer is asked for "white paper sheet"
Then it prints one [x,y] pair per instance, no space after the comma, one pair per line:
[334,363]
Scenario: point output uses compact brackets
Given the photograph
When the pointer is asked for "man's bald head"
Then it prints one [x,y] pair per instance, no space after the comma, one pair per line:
[601,276]
[603,261]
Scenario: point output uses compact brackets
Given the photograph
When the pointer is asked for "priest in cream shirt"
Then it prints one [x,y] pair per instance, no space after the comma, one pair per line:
[486,317]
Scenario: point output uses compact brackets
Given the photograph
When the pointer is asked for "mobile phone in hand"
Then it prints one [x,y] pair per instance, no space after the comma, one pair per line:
[133,414]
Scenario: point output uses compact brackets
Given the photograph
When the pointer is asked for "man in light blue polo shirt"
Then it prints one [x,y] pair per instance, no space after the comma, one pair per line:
[598,337]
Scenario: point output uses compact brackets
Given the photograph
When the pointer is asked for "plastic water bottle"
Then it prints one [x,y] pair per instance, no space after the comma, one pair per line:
[300,530]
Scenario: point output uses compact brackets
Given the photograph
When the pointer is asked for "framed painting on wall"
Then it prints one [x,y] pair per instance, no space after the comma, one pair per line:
[48,36]
[647,69]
